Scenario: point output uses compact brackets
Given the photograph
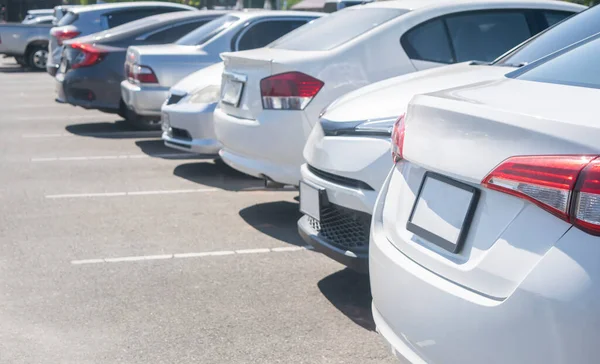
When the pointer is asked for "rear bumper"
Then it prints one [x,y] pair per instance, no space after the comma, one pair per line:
[271,146]
[551,317]
[143,101]
[87,89]
[193,120]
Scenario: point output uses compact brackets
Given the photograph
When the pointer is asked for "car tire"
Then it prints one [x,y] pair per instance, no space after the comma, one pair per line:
[37,56]
[142,123]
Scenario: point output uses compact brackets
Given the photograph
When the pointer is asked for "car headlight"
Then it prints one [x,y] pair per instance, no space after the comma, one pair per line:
[206,95]
[374,127]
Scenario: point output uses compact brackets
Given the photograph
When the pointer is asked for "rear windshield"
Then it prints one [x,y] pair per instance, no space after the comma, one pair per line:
[133,26]
[336,29]
[567,32]
[68,19]
[575,67]
[208,31]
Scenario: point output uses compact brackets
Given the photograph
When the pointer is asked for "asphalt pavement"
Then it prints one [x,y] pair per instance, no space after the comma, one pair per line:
[116,249]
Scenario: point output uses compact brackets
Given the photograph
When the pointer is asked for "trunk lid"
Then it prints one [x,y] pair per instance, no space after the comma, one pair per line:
[254,65]
[463,134]
[170,62]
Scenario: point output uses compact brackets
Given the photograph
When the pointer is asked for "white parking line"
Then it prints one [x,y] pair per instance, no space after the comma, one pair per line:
[133,193]
[191,255]
[115,157]
[108,134]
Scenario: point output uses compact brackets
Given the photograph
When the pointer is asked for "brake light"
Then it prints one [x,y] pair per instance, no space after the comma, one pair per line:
[289,91]
[62,34]
[89,55]
[566,186]
[398,138]
[140,74]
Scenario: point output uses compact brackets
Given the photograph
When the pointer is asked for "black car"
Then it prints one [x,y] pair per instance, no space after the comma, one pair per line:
[91,67]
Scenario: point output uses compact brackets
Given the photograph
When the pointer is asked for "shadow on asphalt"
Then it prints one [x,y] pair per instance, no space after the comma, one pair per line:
[276,219]
[156,148]
[17,69]
[107,130]
[215,173]
[350,292]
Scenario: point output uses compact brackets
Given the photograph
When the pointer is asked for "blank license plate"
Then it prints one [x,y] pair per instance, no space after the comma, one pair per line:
[310,201]
[443,211]
[231,92]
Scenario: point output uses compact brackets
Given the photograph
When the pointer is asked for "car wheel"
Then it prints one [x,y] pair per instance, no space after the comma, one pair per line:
[143,123]
[37,58]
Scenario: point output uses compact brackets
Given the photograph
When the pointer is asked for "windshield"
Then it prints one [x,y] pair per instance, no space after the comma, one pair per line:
[136,25]
[336,29]
[569,31]
[577,66]
[208,31]
[68,19]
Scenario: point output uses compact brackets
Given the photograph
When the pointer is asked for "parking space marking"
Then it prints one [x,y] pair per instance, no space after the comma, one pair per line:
[191,255]
[133,193]
[115,157]
[126,134]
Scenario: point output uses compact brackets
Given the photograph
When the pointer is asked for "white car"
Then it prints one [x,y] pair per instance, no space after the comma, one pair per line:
[187,114]
[271,97]
[347,153]
[484,242]
[162,66]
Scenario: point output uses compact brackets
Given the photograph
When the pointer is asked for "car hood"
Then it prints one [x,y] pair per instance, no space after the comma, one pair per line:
[208,76]
[390,97]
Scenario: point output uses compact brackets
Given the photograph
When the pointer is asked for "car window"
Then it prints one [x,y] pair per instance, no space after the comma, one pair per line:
[428,42]
[260,34]
[172,34]
[332,31]
[484,36]
[68,19]
[122,17]
[553,17]
[575,28]
[208,31]
[576,67]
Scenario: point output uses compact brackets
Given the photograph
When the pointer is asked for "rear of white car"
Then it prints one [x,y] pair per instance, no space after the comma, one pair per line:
[187,114]
[275,94]
[484,241]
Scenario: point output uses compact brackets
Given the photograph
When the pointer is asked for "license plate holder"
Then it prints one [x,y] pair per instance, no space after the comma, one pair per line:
[311,200]
[232,89]
[443,211]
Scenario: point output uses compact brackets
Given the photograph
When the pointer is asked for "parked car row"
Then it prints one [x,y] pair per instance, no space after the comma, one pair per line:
[445,147]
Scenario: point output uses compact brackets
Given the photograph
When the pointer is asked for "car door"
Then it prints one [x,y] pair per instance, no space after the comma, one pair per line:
[467,36]
[264,31]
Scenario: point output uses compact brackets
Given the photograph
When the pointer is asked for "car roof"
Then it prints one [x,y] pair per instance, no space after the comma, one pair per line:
[425,4]
[100,7]
[274,13]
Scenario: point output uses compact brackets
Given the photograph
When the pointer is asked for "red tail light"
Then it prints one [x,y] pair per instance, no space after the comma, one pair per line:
[289,91]
[89,55]
[140,74]
[62,34]
[398,138]
[566,186]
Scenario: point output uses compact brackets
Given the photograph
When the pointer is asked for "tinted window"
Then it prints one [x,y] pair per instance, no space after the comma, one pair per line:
[574,29]
[68,19]
[484,36]
[553,17]
[577,67]
[336,29]
[428,42]
[172,34]
[208,31]
[265,32]
[122,17]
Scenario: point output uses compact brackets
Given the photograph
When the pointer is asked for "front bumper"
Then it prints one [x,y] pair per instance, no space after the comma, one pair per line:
[142,100]
[189,127]
[551,317]
[271,146]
